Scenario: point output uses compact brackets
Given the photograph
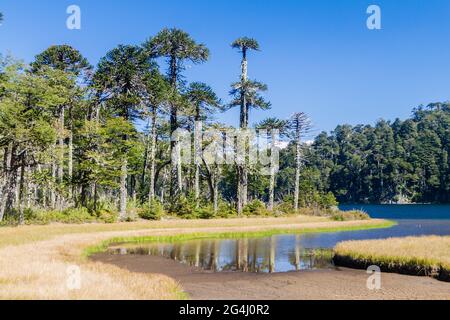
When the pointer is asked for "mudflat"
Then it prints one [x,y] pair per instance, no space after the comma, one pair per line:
[329,284]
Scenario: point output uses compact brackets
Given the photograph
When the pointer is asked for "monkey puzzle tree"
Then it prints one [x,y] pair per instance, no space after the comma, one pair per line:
[204,102]
[299,125]
[120,78]
[244,45]
[157,96]
[178,47]
[274,127]
[249,92]
[69,60]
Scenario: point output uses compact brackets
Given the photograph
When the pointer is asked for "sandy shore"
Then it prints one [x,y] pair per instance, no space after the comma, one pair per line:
[330,284]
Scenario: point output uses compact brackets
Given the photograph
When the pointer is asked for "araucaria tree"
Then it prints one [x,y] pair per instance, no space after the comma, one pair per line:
[121,78]
[299,125]
[203,102]
[244,45]
[275,129]
[178,47]
[71,62]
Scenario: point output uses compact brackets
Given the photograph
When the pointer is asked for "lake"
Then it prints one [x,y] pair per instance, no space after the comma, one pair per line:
[282,253]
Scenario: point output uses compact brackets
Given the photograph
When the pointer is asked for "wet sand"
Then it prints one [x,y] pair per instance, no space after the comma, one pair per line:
[328,284]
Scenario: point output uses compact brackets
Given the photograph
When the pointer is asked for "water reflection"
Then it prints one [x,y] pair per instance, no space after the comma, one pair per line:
[266,255]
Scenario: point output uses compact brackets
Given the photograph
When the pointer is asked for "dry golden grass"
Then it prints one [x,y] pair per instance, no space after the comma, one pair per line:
[431,252]
[25,234]
[34,259]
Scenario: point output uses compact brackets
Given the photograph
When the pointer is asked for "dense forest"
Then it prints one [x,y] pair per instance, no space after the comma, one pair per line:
[101,142]
[401,161]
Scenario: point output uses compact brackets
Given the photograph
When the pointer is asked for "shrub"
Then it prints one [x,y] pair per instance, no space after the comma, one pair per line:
[107,216]
[71,215]
[286,207]
[350,215]
[152,211]
[328,201]
[74,215]
[184,207]
[256,208]
[206,212]
[226,210]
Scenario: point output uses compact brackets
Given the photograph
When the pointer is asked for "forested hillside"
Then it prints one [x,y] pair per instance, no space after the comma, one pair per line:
[400,161]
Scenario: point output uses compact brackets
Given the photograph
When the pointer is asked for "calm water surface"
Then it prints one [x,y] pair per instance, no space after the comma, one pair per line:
[284,253]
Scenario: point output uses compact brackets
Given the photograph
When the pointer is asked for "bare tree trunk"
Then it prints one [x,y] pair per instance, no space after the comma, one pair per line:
[52,189]
[216,189]
[272,173]
[240,205]
[95,196]
[146,158]
[151,195]
[242,195]
[5,190]
[175,174]
[61,156]
[197,158]
[163,186]
[28,187]
[179,168]
[123,190]
[297,172]
[70,165]
[21,189]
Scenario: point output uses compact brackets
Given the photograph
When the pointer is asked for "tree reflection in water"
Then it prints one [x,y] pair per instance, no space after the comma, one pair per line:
[265,255]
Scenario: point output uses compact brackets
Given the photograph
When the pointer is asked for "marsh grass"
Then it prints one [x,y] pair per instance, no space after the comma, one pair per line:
[420,256]
[34,233]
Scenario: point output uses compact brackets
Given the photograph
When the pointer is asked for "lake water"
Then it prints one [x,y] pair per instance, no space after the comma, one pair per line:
[284,253]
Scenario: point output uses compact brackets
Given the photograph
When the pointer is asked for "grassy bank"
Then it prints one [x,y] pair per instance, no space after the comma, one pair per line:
[419,256]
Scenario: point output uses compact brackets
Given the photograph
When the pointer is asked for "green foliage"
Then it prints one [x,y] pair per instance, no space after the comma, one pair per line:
[328,201]
[401,161]
[152,211]
[256,208]
[245,43]
[286,206]
[108,216]
[71,215]
[349,215]
[61,57]
[226,210]
[178,46]
[184,207]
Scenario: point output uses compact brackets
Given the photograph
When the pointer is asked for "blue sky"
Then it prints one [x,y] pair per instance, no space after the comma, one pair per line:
[317,56]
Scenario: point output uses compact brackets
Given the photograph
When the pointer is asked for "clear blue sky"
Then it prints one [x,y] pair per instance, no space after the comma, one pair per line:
[317,56]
